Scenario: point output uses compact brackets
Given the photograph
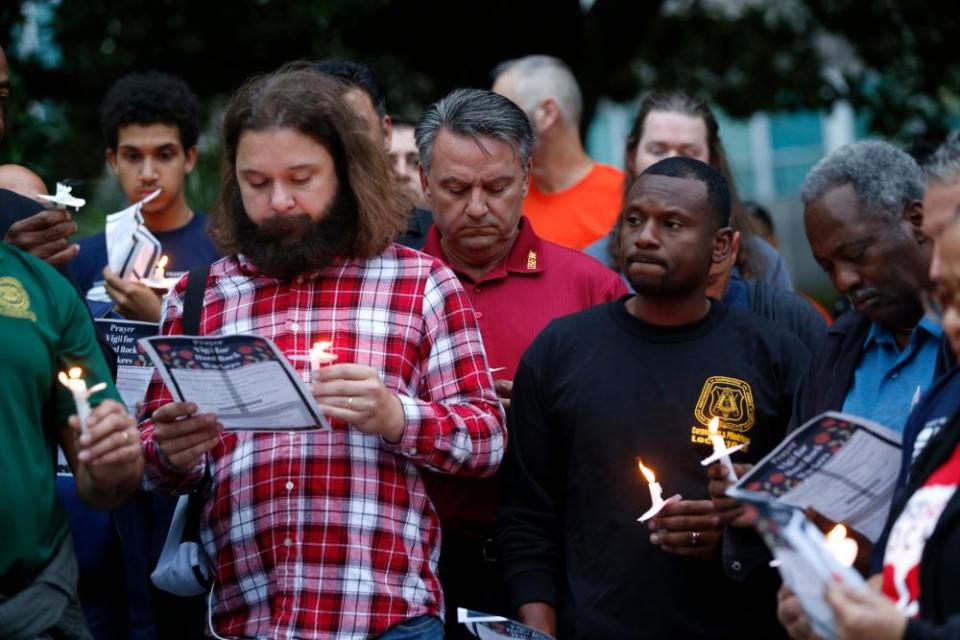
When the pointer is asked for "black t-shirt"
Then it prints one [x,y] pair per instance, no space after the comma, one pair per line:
[596,390]
[15,207]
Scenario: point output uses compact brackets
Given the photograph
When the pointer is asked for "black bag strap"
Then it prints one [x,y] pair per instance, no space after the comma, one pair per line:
[193,299]
[192,307]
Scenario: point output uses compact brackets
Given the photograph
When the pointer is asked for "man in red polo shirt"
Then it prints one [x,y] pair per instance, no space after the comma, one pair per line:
[475,149]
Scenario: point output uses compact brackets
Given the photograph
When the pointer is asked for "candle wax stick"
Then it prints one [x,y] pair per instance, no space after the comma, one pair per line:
[719,445]
[656,493]
[81,395]
[725,453]
[160,269]
[320,355]
[83,406]
[720,450]
[657,502]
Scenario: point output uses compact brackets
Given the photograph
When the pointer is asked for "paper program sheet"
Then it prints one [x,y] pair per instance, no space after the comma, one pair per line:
[134,368]
[490,627]
[843,466]
[805,563]
[245,380]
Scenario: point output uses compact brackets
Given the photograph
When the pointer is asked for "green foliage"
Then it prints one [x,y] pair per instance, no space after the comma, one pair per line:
[890,59]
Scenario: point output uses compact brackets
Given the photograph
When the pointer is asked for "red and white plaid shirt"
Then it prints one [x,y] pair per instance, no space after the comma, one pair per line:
[330,533]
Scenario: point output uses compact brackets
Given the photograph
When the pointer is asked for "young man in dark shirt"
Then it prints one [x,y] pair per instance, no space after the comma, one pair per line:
[151,122]
[642,377]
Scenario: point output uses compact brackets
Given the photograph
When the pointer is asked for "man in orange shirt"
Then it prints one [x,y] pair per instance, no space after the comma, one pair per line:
[572,200]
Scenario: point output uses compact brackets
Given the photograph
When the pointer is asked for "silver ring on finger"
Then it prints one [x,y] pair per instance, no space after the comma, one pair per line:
[126,437]
[350,402]
[694,538]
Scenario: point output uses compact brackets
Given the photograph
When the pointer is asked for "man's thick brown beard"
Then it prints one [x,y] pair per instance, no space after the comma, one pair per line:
[288,245]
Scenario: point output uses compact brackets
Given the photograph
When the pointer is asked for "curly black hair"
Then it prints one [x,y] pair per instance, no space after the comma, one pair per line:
[147,98]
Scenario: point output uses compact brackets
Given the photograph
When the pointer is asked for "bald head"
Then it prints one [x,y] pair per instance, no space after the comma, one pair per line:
[21,180]
[532,80]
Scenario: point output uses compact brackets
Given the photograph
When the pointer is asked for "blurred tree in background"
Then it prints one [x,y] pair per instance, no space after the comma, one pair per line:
[891,60]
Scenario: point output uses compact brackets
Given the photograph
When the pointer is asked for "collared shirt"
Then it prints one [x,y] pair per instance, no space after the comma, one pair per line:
[887,379]
[330,533]
[536,282]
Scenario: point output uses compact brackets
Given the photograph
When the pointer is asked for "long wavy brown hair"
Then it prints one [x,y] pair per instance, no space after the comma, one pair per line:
[674,101]
[311,103]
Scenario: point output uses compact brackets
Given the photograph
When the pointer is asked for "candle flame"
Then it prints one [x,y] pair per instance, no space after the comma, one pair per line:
[837,534]
[842,547]
[72,375]
[714,426]
[162,262]
[647,472]
[322,345]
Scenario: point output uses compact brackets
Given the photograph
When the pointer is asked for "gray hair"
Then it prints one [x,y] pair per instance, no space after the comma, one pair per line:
[540,77]
[475,113]
[885,179]
[943,166]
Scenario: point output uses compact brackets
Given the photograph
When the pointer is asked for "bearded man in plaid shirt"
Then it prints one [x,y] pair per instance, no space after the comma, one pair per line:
[326,533]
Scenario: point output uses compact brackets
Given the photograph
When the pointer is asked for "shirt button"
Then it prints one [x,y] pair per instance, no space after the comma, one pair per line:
[479,315]
[477,289]
[294,326]
[412,451]
[299,279]
[288,542]
[289,485]
[736,566]
[895,375]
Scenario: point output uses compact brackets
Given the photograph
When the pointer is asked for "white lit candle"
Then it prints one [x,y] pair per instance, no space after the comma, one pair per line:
[656,493]
[63,198]
[720,451]
[73,380]
[159,271]
[843,548]
[320,355]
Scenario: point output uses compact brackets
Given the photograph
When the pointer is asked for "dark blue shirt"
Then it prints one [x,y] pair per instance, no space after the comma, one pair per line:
[934,410]
[737,294]
[186,247]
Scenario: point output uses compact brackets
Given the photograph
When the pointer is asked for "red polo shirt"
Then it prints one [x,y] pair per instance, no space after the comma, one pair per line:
[536,282]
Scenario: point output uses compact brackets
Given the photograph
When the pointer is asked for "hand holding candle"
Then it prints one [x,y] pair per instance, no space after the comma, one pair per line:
[656,493]
[158,279]
[73,380]
[720,450]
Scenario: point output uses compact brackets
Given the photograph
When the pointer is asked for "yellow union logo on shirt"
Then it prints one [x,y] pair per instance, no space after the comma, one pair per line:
[730,400]
[14,301]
